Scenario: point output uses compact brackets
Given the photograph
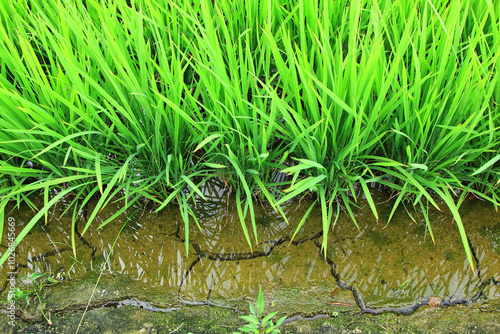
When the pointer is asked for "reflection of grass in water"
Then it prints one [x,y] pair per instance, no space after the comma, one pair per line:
[167,96]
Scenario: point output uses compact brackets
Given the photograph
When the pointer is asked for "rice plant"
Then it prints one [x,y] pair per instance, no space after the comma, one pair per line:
[151,98]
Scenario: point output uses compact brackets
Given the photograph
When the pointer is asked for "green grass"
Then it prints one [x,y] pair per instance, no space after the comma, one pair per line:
[130,99]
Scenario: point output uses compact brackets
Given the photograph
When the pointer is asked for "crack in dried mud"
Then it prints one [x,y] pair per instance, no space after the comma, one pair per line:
[133,301]
[407,309]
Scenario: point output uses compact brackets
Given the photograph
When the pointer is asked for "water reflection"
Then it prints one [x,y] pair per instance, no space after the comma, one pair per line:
[392,262]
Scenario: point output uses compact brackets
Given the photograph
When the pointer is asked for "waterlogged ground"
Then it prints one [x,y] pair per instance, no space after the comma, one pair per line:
[148,279]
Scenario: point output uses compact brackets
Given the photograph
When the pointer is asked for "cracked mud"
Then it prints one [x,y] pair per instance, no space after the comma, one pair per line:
[378,268]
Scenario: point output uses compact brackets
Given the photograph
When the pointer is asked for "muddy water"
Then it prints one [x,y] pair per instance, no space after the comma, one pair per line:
[374,265]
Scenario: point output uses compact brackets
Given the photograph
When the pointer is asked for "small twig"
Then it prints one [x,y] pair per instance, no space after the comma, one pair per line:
[340,304]
[142,214]
[227,211]
[175,330]
[383,327]
[335,292]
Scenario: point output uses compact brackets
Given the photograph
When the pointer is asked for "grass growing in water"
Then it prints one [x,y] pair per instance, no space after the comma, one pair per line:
[131,99]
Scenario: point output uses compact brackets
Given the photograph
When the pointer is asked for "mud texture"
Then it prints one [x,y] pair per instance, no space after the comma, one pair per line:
[374,277]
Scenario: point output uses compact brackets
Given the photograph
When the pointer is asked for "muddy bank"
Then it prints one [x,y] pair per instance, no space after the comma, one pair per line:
[113,318]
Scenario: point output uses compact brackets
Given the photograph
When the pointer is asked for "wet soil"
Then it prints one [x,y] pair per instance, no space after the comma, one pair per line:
[147,283]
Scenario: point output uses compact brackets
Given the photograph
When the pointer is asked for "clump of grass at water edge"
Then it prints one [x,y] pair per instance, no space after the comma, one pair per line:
[150,99]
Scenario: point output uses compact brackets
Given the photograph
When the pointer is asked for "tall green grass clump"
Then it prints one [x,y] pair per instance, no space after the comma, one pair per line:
[132,99]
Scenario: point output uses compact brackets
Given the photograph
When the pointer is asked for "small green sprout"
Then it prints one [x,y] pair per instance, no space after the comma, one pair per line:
[258,324]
